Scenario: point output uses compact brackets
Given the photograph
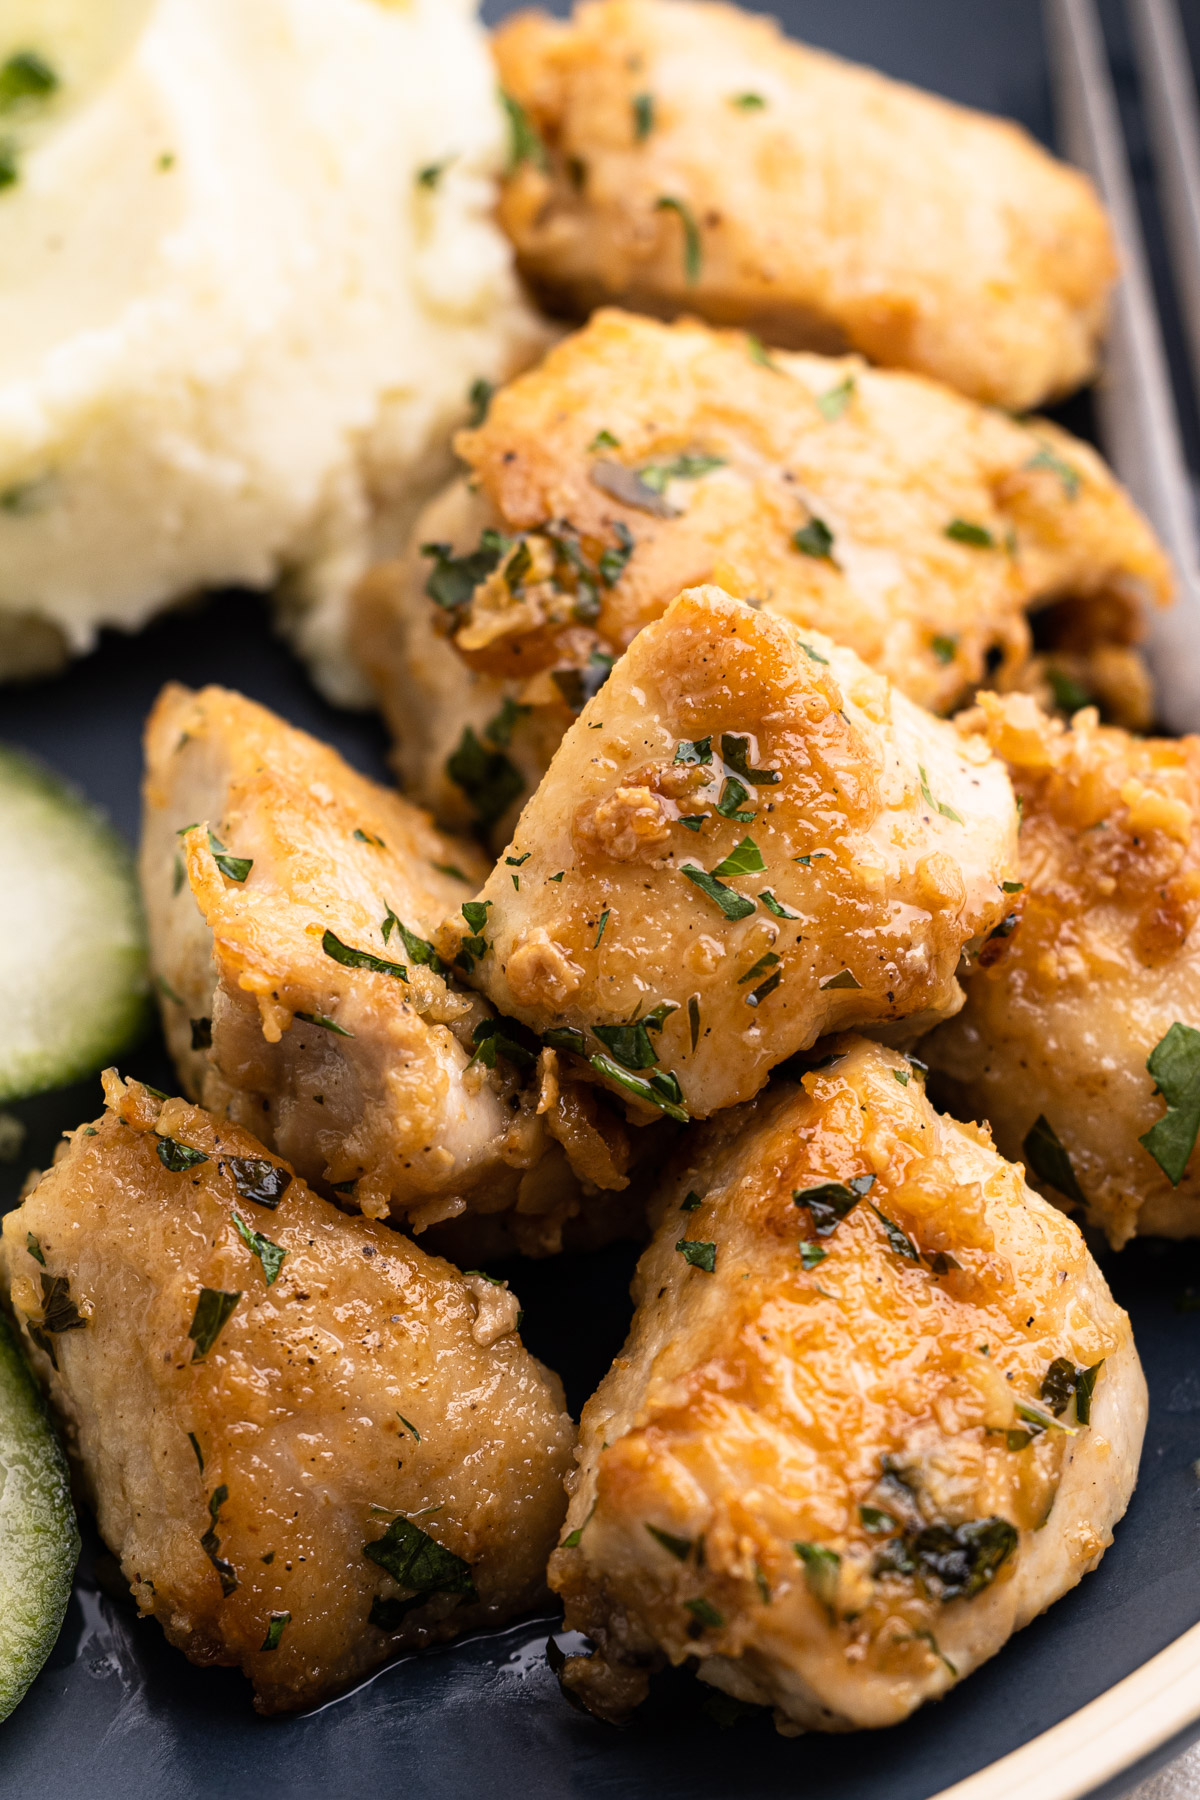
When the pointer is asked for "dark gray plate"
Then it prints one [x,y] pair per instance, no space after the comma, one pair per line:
[117,1715]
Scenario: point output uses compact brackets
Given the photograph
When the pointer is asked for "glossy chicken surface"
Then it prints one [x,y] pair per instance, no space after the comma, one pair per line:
[1100,966]
[301,994]
[745,841]
[640,458]
[309,1450]
[678,156]
[854,1440]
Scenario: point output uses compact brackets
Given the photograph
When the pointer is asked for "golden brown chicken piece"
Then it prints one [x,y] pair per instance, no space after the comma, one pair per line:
[641,458]
[310,1444]
[673,155]
[746,840]
[290,929]
[877,1409]
[1087,1005]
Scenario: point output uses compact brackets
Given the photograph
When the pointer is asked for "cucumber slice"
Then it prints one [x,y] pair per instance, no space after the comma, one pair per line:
[39,1540]
[72,939]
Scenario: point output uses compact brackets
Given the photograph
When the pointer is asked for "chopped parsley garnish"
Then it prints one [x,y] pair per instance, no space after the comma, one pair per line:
[455,578]
[1049,1160]
[364,837]
[515,862]
[813,656]
[604,918]
[488,778]
[767,987]
[693,1009]
[944,648]
[834,401]
[1085,1383]
[275,1630]
[479,398]
[432,173]
[571,1541]
[898,1240]
[419,949]
[449,869]
[604,440]
[643,117]
[699,1255]
[679,1547]
[734,906]
[691,1201]
[951,1562]
[1012,887]
[59,1311]
[684,467]
[845,978]
[1046,458]
[627,486]
[733,797]
[350,958]
[614,558]
[269,1255]
[194,1441]
[693,254]
[938,806]
[630,1044]
[693,750]
[34,1248]
[409,1426]
[565,1037]
[876,1521]
[811,1254]
[13,499]
[524,143]
[506,1038]
[758,353]
[735,752]
[234,868]
[259,1181]
[1174,1063]
[660,1089]
[828,1202]
[210,1543]
[814,539]
[1069,695]
[777,907]
[212,1311]
[25,76]
[747,102]
[324,1022]
[704,1612]
[822,1569]
[420,1565]
[902,1076]
[178,1158]
[964,531]
[766,961]
[744,859]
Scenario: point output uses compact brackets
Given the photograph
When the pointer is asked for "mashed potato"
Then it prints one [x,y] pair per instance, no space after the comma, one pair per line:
[248,275]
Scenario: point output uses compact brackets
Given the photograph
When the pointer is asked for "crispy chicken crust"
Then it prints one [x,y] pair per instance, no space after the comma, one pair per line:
[1102,960]
[947,522]
[824,1476]
[240,1479]
[689,156]
[364,1077]
[748,838]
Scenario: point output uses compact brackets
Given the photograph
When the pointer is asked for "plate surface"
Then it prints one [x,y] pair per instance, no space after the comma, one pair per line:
[120,1716]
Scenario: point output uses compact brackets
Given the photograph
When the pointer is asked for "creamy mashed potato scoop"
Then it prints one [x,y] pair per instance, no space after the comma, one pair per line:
[248,276]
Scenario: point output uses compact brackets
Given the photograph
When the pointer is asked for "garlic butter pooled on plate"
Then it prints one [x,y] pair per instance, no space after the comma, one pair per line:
[248,277]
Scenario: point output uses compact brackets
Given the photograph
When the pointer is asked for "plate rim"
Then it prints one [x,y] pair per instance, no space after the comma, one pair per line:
[1104,1739]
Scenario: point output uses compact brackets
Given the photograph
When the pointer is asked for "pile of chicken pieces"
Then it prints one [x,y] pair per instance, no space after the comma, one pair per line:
[678,652]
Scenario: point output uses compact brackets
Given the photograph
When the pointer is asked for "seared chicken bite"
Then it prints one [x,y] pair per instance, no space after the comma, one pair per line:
[675,155]
[641,458]
[877,1409]
[745,840]
[1080,1039]
[291,904]
[310,1444]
